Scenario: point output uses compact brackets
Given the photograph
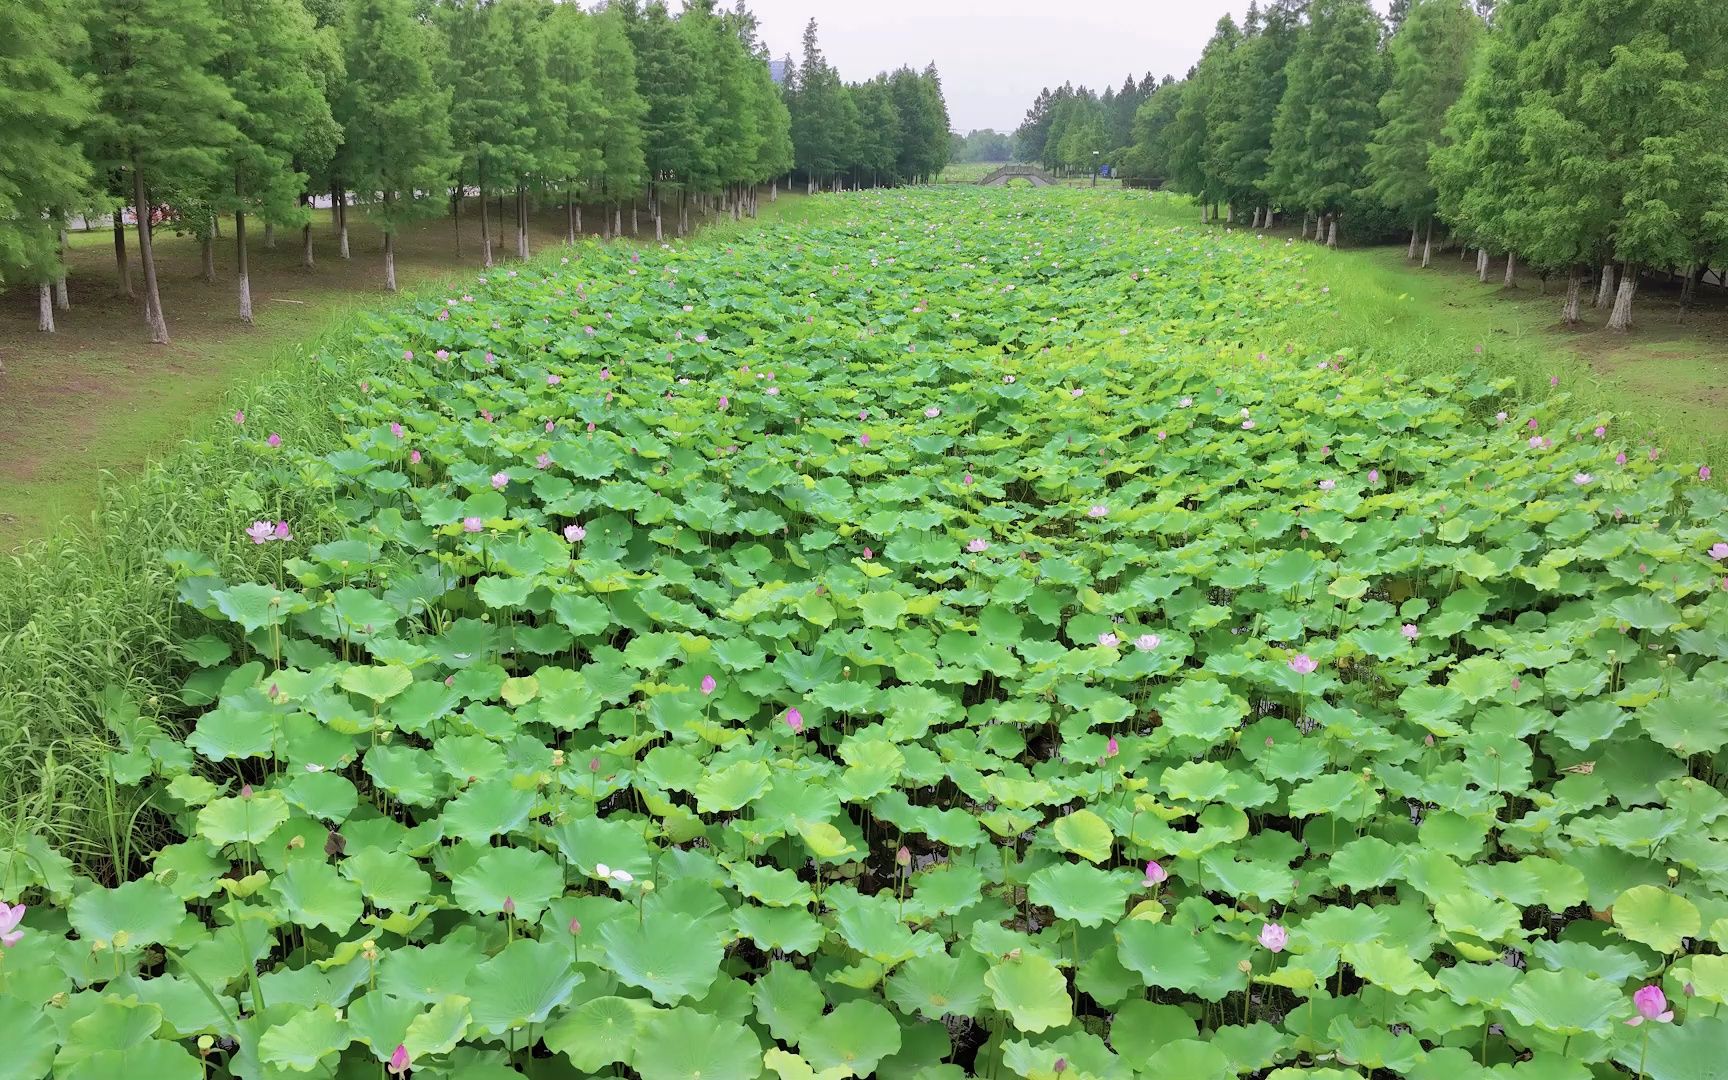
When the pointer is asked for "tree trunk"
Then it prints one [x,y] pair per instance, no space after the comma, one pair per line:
[1689,287]
[774,191]
[1414,230]
[45,308]
[147,255]
[1511,279]
[635,229]
[456,211]
[569,219]
[1605,291]
[342,223]
[1229,209]
[1428,243]
[1574,291]
[1482,264]
[1332,231]
[657,226]
[578,217]
[1621,317]
[61,300]
[390,242]
[335,204]
[485,227]
[617,220]
[240,260]
[269,236]
[1305,216]
[521,222]
[207,257]
[122,269]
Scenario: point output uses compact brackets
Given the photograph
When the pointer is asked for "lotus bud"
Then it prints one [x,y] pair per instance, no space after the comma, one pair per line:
[509,906]
[575,927]
[903,856]
[1061,1065]
[1244,966]
[245,791]
[295,843]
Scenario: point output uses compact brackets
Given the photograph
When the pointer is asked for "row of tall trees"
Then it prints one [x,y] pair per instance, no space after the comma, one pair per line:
[1071,127]
[1572,136]
[980,144]
[222,115]
[891,129]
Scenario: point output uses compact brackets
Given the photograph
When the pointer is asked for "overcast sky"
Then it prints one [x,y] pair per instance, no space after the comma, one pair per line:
[994,55]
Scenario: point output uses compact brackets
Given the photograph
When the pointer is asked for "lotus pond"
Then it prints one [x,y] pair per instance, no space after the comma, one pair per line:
[958,636]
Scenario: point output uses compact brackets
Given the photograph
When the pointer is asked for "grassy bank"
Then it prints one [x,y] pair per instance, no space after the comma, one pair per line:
[1667,379]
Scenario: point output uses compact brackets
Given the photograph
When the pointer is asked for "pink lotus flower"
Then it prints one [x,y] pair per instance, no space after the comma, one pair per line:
[977,545]
[1185,403]
[1247,425]
[1703,472]
[1109,640]
[725,403]
[1373,476]
[407,354]
[274,440]
[966,481]
[10,916]
[1600,431]
[1500,418]
[399,1060]
[1536,442]
[574,533]
[471,524]
[1076,392]
[1147,642]
[1111,747]
[1328,485]
[281,532]
[441,355]
[1161,435]
[1719,550]
[1581,479]
[1098,511]
[554,380]
[795,720]
[543,461]
[1620,458]
[239,418]
[1652,1004]
[500,481]
[1274,937]
[932,412]
[1008,378]
[1303,664]
[605,373]
[1155,875]
[864,440]
[396,430]
[708,684]
[1410,632]
[1532,424]
[414,457]
[261,532]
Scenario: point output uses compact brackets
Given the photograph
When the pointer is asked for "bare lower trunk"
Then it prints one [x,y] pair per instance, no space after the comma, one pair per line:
[147,255]
[390,242]
[1621,317]
[342,225]
[1332,232]
[269,236]
[207,257]
[1428,243]
[456,212]
[1511,278]
[61,300]
[521,222]
[657,226]
[335,204]
[1605,290]
[306,260]
[1574,294]
[485,227]
[240,263]
[578,217]
[1482,264]
[45,308]
[1229,211]
[774,192]
[1305,216]
[617,220]
[1689,286]
[635,229]
[122,269]
[569,219]
[1414,231]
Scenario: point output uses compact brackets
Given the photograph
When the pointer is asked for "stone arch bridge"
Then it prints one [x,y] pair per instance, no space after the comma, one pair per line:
[1037,176]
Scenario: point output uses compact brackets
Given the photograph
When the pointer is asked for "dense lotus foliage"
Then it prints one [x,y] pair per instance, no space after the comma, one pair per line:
[961,638]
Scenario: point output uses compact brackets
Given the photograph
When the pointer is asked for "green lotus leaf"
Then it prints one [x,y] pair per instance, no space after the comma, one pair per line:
[937,984]
[1085,894]
[128,917]
[528,879]
[1657,917]
[310,1039]
[683,1044]
[314,894]
[1032,991]
[673,956]
[854,1036]
[520,986]
[600,1032]
[1085,834]
[1567,1002]
[240,819]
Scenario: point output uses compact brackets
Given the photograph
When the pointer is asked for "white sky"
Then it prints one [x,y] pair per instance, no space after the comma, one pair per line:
[994,55]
